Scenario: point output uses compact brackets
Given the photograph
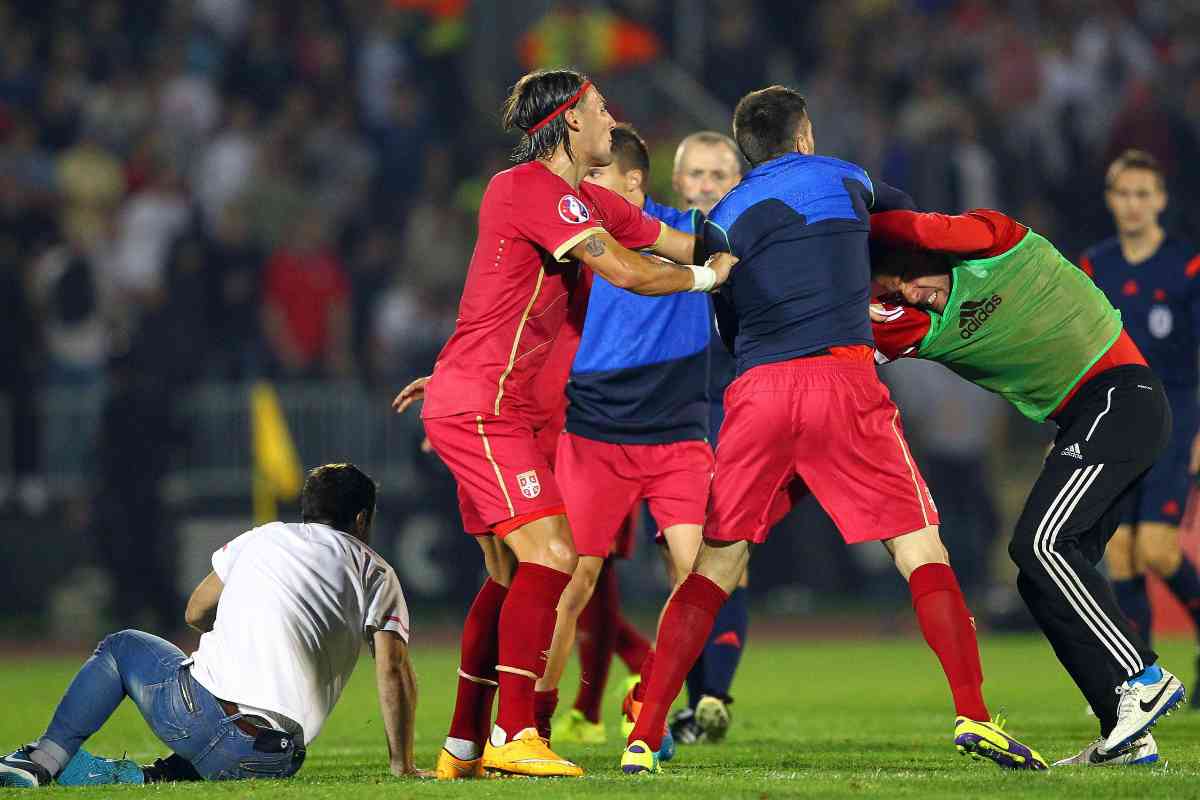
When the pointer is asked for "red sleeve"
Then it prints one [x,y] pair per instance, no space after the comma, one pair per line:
[627,223]
[982,233]
[547,212]
[1085,264]
[902,331]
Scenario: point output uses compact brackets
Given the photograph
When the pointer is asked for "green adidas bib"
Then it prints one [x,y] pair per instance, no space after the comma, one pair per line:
[1026,324]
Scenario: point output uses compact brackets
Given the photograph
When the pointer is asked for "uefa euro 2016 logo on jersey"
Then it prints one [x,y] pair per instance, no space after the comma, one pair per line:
[974,314]
[572,209]
[529,485]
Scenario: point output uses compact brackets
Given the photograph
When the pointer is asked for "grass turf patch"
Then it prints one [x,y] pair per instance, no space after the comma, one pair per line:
[811,719]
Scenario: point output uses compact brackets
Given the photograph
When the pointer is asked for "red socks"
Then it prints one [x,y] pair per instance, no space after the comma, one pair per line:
[950,633]
[639,688]
[684,632]
[597,637]
[526,628]
[479,652]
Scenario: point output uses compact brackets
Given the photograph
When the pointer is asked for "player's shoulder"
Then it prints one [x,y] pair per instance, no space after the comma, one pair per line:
[526,180]
[1179,250]
[834,164]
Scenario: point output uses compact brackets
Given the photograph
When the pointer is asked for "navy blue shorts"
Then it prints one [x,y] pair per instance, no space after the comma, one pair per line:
[1162,494]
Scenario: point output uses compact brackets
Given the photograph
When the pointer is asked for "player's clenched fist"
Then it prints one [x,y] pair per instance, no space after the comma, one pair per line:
[721,264]
[410,394]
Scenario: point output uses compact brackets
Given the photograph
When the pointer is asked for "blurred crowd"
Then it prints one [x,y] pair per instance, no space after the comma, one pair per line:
[216,190]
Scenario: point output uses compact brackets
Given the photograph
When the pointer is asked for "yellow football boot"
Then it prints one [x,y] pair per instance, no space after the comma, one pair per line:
[527,754]
[450,768]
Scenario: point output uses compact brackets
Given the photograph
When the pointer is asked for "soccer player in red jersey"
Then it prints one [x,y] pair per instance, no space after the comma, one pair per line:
[537,224]
[998,305]
[807,413]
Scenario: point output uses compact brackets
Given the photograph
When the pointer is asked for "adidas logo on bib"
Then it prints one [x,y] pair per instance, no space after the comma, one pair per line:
[1072,451]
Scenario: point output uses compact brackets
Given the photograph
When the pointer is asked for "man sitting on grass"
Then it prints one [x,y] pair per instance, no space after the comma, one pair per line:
[284,614]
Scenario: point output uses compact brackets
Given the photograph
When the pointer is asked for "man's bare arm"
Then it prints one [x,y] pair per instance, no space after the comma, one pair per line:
[201,611]
[648,275]
[680,247]
[397,687]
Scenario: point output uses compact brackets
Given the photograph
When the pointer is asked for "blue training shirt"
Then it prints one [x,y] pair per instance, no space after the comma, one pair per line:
[799,226]
[1159,301]
[641,373]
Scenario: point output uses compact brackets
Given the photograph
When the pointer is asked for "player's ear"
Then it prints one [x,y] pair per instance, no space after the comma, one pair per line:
[634,179]
[572,118]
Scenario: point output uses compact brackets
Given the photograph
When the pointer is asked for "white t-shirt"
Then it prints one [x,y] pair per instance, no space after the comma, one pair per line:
[299,600]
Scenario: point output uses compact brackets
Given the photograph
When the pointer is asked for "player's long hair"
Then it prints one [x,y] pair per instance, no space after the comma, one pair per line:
[531,100]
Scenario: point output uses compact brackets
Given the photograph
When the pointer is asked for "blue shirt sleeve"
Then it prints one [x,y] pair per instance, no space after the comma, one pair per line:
[716,238]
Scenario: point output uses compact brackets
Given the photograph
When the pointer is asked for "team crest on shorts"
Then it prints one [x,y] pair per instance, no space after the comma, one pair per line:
[572,209]
[530,486]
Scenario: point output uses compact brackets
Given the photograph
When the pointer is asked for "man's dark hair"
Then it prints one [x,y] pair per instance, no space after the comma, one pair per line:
[531,100]
[1135,159]
[906,262]
[764,123]
[334,494]
[629,151]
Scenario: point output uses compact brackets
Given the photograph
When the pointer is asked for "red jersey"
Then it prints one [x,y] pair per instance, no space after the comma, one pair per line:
[519,286]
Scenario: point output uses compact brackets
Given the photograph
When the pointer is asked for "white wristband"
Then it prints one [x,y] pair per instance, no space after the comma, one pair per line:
[703,278]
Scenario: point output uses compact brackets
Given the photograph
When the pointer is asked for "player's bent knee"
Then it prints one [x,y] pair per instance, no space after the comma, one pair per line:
[1020,551]
[722,562]
[1162,562]
[912,551]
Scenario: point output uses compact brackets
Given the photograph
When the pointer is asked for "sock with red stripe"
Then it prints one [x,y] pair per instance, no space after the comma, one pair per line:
[1185,585]
[724,649]
[950,633]
[597,637]
[639,688]
[684,631]
[526,627]
[478,654]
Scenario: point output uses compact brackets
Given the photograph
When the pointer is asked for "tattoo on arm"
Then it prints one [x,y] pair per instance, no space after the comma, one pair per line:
[595,246]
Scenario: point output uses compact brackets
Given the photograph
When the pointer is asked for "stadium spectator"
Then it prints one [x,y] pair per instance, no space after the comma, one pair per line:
[226,167]
[233,264]
[306,304]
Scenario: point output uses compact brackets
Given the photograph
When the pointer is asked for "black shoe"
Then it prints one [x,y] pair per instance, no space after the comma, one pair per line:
[171,769]
[684,727]
[19,771]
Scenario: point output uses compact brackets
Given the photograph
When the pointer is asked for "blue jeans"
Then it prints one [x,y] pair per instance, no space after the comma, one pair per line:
[182,713]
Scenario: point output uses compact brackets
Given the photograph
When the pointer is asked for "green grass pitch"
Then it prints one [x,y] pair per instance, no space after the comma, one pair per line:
[812,719]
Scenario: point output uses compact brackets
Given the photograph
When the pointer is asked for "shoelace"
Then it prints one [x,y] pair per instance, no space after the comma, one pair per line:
[1128,694]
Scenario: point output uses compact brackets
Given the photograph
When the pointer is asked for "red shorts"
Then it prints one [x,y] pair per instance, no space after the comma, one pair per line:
[825,425]
[504,479]
[602,483]
[626,541]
